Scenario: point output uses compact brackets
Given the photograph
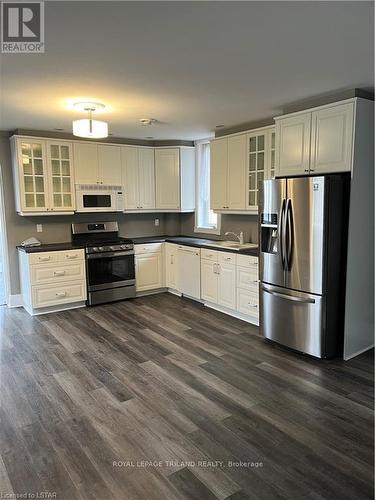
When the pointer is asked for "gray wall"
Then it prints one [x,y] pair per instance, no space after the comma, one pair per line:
[236,223]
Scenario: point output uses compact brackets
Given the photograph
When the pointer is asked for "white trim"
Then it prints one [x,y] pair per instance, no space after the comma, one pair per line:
[244,132]
[357,353]
[209,230]
[15,301]
[316,108]
[51,309]
[4,242]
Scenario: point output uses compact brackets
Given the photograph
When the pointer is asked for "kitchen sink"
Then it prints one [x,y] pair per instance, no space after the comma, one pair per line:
[233,245]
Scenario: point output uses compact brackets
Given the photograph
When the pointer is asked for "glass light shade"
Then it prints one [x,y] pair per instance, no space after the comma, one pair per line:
[94,129]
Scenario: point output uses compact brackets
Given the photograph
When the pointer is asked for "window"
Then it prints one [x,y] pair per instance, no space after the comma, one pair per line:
[206,221]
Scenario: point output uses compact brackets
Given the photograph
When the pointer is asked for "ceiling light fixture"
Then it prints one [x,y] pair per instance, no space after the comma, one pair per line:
[87,127]
[145,122]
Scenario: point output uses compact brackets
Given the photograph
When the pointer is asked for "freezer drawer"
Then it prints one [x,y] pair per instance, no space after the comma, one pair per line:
[293,319]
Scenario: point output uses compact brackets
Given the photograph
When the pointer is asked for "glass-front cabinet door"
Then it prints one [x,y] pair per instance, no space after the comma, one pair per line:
[33,175]
[256,142]
[272,151]
[61,176]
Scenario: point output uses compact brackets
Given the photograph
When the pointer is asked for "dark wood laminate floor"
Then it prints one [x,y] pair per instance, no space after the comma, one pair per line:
[89,397]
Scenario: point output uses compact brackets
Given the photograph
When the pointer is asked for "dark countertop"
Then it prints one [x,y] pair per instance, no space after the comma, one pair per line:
[180,240]
[193,242]
[51,247]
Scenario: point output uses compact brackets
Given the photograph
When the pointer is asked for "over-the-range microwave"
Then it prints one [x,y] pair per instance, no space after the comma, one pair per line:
[94,198]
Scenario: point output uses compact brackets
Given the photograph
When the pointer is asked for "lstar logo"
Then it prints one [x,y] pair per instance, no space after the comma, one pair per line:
[22,27]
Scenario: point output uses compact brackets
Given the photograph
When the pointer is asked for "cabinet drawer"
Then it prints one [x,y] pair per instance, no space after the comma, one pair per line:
[209,254]
[57,273]
[227,258]
[247,278]
[44,257]
[70,255]
[247,261]
[148,248]
[59,256]
[63,293]
[247,302]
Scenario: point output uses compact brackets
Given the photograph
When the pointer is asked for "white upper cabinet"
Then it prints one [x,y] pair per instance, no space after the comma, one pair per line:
[331,140]
[43,175]
[130,176]
[167,172]
[97,164]
[109,163]
[61,179]
[219,173]
[236,196]
[317,141]
[138,177]
[86,163]
[239,164]
[293,145]
[228,173]
[146,169]
[175,179]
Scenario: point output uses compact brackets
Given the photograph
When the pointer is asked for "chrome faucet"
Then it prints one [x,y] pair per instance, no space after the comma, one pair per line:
[238,236]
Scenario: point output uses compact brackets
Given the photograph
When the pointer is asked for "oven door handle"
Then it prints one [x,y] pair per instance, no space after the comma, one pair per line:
[109,254]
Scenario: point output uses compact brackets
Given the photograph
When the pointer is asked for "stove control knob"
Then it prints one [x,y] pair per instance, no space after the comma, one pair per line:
[124,247]
[101,249]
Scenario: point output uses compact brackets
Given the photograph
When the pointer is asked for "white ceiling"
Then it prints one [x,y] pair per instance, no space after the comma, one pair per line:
[191,65]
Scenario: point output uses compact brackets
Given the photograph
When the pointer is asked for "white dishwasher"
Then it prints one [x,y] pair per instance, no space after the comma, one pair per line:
[189,271]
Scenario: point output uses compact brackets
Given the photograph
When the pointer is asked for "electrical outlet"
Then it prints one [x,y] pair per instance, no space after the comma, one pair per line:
[157,222]
[39,228]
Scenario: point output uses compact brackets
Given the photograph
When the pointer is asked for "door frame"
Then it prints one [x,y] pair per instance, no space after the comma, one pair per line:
[4,241]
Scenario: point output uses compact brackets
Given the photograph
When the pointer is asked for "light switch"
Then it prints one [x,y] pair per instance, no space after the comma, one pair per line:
[157,222]
[39,228]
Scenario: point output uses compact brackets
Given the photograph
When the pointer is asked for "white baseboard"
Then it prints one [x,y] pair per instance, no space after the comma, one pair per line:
[357,353]
[15,300]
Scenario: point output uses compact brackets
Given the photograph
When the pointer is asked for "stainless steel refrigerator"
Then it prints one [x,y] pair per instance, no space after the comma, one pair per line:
[303,233]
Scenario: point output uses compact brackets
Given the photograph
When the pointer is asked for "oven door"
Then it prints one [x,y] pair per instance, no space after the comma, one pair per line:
[96,201]
[110,270]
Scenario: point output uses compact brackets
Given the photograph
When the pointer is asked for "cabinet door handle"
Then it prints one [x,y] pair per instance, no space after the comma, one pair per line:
[171,259]
[44,259]
[306,169]
[60,294]
[58,273]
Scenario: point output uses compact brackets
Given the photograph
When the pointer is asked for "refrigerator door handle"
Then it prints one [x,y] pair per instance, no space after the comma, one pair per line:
[282,234]
[289,231]
[289,297]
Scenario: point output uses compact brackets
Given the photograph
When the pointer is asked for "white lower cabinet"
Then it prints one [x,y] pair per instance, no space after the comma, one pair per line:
[248,287]
[218,273]
[171,266]
[52,281]
[189,272]
[223,280]
[149,272]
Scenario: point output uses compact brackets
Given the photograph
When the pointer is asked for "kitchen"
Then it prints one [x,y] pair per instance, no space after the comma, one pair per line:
[194,284]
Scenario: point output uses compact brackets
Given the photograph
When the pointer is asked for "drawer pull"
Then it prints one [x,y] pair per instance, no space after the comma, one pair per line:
[71,256]
[61,294]
[227,258]
[58,273]
[44,259]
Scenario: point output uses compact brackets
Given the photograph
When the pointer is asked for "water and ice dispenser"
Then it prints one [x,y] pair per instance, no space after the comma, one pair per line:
[269,232]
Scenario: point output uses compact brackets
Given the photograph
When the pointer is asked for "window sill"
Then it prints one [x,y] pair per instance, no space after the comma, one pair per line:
[207,230]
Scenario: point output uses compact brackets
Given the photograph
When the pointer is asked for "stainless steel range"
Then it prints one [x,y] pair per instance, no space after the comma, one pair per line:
[110,269]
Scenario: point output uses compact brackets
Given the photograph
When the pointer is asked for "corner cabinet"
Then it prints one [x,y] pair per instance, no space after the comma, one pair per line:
[175,179]
[316,141]
[43,176]
[239,164]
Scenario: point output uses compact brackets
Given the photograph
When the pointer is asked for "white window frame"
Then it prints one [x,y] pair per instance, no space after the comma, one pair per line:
[197,228]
